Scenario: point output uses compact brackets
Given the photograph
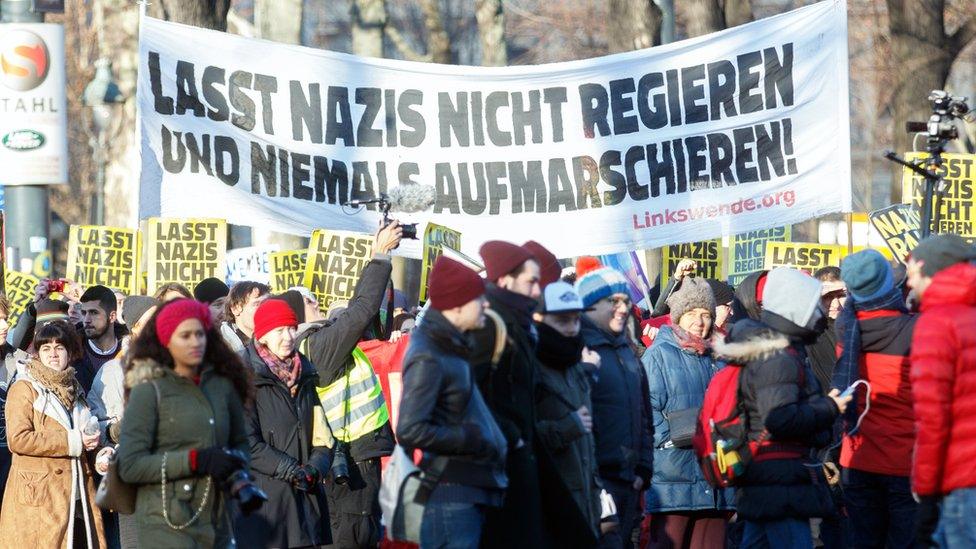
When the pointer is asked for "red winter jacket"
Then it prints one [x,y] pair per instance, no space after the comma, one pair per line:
[943,377]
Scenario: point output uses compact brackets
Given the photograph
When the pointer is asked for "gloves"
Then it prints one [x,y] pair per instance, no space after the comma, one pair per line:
[215,462]
[926,520]
[306,478]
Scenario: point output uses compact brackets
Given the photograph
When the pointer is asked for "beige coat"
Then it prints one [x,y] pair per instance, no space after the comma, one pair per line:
[50,469]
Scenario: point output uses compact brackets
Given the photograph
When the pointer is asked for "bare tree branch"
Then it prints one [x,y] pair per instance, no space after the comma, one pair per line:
[491,26]
[965,34]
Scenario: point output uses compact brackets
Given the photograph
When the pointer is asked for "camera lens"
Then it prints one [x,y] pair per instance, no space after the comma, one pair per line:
[410,231]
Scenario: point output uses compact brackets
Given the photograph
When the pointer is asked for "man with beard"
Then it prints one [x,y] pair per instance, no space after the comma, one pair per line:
[101,333]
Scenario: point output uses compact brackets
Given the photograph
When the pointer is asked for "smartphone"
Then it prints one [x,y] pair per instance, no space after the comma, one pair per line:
[848,391]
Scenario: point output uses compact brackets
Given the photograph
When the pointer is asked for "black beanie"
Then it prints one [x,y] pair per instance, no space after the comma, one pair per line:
[724,294]
[942,250]
[295,302]
[210,290]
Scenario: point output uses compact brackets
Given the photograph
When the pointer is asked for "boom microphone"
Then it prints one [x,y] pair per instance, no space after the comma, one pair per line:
[411,198]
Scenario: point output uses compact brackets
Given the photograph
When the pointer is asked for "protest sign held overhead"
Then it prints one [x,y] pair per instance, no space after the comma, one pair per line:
[717,135]
[287,269]
[436,238]
[957,214]
[805,256]
[185,251]
[747,251]
[251,263]
[104,255]
[334,261]
[19,289]
[707,256]
[629,265]
[899,226]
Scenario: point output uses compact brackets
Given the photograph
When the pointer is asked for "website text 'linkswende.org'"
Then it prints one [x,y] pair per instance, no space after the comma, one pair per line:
[682,215]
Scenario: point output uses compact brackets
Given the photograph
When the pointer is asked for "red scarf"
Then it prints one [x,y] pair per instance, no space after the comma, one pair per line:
[689,341]
[287,370]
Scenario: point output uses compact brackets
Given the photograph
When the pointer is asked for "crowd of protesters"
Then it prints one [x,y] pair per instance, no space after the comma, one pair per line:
[543,406]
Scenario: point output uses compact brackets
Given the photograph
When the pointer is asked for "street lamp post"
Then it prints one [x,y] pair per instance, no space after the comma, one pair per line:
[101,97]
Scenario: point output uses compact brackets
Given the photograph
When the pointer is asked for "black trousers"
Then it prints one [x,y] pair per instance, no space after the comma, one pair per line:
[354,508]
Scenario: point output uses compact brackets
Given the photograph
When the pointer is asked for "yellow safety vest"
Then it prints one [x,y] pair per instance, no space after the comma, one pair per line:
[354,404]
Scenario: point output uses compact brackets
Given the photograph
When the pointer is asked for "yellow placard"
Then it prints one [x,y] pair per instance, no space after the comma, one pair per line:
[104,255]
[185,251]
[747,251]
[287,269]
[957,212]
[808,256]
[436,237]
[335,260]
[899,226]
[20,292]
[707,254]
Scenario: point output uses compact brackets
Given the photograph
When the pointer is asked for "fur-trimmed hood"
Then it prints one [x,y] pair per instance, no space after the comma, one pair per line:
[748,341]
[143,370]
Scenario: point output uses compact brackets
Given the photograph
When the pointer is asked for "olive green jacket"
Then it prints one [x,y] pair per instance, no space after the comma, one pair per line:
[187,417]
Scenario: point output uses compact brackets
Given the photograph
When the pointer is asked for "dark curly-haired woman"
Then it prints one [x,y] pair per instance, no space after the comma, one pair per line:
[183,419]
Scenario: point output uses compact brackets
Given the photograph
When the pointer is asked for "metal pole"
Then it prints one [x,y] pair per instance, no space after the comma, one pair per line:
[667,20]
[27,205]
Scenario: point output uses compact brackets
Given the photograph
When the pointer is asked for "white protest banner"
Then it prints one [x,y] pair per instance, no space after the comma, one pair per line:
[251,263]
[739,130]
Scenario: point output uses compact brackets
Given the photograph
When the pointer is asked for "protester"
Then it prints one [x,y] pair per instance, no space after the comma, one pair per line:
[621,400]
[684,268]
[785,411]
[170,291]
[11,360]
[549,268]
[685,510]
[51,309]
[103,334]
[749,297]
[565,420]
[210,290]
[312,311]
[49,501]
[509,388]
[119,299]
[823,352]
[443,414]
[724,296]
[874,335]
[943,371]
[242,301]
[185,412]
[361,420]
[290,439]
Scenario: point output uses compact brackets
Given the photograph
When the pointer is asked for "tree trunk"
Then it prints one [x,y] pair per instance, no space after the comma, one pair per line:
[737,12]
[438,42]
[209,14]
[634,24]
[279,20]
[491,27]
[703,17]
[368,21]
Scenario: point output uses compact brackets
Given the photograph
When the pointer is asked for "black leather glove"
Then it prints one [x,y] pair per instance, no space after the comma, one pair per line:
[217,463]
[926,520]
[306,478]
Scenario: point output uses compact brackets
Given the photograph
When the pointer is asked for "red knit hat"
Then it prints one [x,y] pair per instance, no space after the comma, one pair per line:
[549,268]
[175,312]
[271,314]
[452,284]
[501,258]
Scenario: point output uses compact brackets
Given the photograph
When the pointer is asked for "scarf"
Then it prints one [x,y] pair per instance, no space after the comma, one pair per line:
[62,383]
[287,370]
[519,305]
[556,350]
[689,341]
[848,368]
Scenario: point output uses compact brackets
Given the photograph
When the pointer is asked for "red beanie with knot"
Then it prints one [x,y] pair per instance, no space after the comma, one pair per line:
[175,312]
[452,284]
[501,258]
[549,268]
[271,314]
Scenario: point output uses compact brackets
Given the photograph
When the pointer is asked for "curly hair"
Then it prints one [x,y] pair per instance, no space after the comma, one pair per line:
[59,331]
[224,360]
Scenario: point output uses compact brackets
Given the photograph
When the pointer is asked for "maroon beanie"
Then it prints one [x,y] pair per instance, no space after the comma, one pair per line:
[549,268]
[452,284]
[175,312]
[272,313]
[501,258]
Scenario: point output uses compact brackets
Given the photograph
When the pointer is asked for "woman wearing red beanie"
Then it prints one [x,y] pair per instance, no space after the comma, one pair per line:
[290,438]
[183,434]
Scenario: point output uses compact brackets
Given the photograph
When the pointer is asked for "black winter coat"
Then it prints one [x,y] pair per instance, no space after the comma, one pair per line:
[330,348]
[622,423]
[442,412]
[280,429]
[780,394]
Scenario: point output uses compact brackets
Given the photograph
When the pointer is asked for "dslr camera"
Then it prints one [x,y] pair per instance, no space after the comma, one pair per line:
[340,464]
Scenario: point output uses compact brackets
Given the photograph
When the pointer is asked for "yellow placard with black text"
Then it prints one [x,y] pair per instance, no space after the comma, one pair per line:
[706,254]
[185,251]
[747,251]
[436,237]
[20,292]
[899,226]
[287,269]
[104,255]
[957,212]
[334,262]
[808,256]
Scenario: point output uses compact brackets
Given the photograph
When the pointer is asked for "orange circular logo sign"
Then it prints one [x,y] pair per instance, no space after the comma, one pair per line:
[24,60]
